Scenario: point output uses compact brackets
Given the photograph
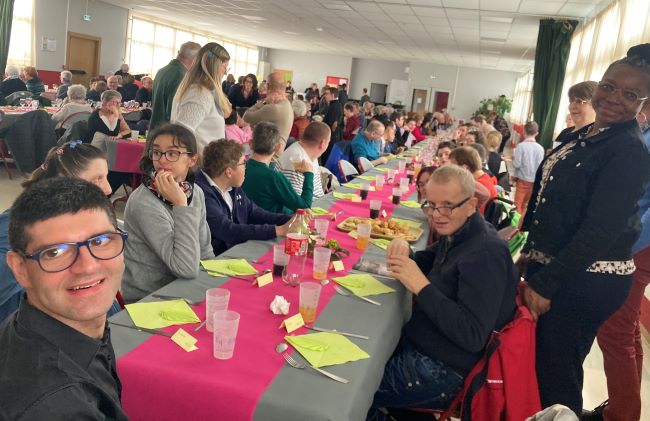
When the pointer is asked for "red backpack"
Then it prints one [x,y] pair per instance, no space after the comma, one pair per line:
[502,386]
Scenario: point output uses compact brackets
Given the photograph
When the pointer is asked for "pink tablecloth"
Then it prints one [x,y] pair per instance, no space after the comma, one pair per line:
[163,382]
[124,155]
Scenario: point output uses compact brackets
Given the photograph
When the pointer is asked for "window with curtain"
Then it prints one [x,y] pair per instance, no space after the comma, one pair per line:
[152,44]
[600,41]
[22,34]
[522,100]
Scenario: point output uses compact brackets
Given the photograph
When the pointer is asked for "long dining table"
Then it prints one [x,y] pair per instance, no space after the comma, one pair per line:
[163,382]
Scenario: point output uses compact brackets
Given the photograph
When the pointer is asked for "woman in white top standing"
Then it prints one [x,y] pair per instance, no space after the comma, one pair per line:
[199,103]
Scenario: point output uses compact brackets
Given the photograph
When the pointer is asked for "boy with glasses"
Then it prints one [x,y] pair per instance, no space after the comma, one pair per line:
[464,287]
[56,358]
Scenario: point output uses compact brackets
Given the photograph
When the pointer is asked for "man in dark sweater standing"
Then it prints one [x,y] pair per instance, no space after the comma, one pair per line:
[334,119]
[233,218]
[167,80]
[464,287]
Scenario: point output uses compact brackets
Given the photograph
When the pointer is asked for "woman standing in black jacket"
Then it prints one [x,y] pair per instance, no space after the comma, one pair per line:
[582,223]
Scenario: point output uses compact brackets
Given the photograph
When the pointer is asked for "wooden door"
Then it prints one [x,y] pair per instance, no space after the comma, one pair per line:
[440,101]
[419,101]
[82,57]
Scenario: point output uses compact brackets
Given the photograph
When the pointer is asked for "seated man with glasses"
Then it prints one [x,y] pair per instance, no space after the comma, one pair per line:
[464,287]
[233,218]
[56,357]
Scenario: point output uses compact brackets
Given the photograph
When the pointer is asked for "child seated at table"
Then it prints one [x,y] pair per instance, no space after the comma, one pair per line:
[233,218]
[237,129]
[165,217]
[269,189]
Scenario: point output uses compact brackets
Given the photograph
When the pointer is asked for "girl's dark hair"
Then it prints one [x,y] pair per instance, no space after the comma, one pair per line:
[182,136]
[232,118]
[637,56]
[67,160]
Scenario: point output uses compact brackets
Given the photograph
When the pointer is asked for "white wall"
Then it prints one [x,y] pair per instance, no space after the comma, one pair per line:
[367,71]
[109,23]
[309,67]
[476,84]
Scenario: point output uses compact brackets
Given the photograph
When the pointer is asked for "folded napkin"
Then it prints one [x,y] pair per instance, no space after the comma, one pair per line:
[324,348]
[410,204]
[228,267]
[407,222]
[366,177]
[382,243]
[159,314]
[363,285]
[381,169]
[340,195]
[356,186]
[319,211]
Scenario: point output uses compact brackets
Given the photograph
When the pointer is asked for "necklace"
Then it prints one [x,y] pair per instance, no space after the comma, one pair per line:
[591,132]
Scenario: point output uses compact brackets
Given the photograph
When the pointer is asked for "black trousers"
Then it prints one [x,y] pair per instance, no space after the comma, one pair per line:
[567,331]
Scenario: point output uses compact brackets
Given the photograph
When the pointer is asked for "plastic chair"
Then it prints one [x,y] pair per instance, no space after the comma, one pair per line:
[347,170]
[365,165]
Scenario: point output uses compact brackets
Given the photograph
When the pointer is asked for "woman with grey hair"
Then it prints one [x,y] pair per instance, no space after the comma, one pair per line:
[76,104]
[12,83]
[271,190]
[300,120]
[107,123]
[66,81]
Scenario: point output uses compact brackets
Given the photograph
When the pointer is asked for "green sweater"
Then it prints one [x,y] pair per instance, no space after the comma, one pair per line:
[164,88]
[272,191]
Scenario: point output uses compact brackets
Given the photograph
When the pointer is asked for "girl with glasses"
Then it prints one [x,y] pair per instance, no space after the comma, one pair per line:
[165,216]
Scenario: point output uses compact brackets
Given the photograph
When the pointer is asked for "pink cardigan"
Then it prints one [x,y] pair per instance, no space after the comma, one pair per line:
[238,134]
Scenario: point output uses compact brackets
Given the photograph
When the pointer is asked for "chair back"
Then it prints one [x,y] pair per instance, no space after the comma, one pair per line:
[365,164]
[347,170]
[14,99]
[74,117]
[133,116]
[78,131]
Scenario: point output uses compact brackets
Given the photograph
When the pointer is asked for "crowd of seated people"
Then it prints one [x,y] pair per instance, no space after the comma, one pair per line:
[200,195]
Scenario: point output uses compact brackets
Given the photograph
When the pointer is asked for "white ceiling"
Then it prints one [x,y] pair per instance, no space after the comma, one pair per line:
[494,34]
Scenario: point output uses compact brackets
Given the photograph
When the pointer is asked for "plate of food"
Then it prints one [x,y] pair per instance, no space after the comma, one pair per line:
[388,229]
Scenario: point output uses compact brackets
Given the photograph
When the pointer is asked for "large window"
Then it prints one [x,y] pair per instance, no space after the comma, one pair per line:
[522,101]
[599,42]
[20,45]
[152,44]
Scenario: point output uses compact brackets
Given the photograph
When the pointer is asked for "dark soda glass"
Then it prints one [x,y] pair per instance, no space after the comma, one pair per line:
[374,213]
[277,270]
[363,194]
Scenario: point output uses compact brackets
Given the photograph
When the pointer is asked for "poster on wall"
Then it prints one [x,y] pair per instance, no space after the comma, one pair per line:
[336,81]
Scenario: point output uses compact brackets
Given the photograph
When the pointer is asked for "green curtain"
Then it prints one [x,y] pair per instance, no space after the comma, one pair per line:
[553,47]
[6,17]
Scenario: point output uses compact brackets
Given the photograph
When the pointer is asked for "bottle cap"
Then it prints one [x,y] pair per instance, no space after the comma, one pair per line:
[300,212]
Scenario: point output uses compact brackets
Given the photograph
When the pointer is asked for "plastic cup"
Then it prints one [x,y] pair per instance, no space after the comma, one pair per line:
[410,176]
[364,191]
[379,182]
[321,225]
[401,165]
[375,207]
[363,236]
[226,324]
[295,161]
[135,134]
[417,167]
[280,259]
[322,257]
[216,299]
[397,195]
[309,296]
[404,184]
[391,175]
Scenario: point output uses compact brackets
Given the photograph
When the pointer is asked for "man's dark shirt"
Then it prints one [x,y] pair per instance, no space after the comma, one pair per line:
[50,371]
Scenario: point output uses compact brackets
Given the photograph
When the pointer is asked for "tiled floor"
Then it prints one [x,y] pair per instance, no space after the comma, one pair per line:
[595,389]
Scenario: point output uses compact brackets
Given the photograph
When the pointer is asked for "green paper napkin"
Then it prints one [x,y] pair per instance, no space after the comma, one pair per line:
[382,243]
[381,169]
[363,285]
[356,186]
[319,211]
[159,314]
[340,349]
[410,204]
[229,267]
[366,177]
[340,195]
[407,222]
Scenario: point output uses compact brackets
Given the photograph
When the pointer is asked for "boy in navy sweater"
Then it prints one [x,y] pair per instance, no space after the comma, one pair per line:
[233,218]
